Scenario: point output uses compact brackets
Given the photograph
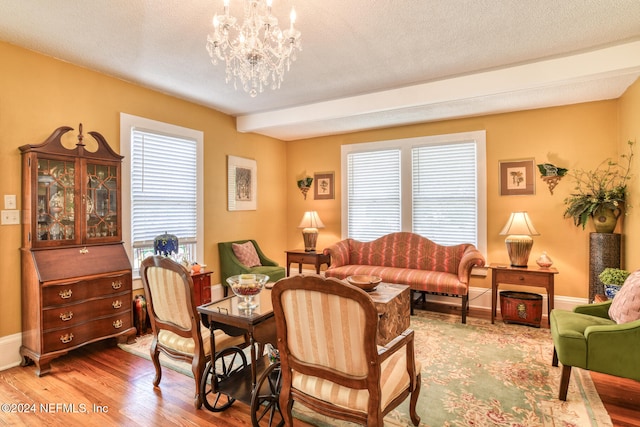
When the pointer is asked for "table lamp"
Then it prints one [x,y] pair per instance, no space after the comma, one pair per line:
[165,244]
[310,224]
[519,230]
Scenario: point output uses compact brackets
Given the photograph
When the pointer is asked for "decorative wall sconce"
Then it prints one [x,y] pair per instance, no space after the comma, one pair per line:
[304,185]
[551,174]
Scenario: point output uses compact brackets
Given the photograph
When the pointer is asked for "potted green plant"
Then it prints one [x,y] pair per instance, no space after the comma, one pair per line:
[600,194]
[613,279]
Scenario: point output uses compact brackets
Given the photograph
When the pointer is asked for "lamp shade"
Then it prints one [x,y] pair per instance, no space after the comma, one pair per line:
[311,220]
[519,223]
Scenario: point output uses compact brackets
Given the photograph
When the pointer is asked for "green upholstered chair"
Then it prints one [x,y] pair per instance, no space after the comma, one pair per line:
[587,338]
[230,265]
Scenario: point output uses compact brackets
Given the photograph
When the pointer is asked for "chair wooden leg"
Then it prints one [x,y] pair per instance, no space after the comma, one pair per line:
[465,308]
[554,361]
[564,382]
[197,367]
[411,302]
[155,358]
[286,405]
[415,394]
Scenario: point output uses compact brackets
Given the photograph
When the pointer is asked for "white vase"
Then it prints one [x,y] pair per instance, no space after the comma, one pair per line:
[544,261]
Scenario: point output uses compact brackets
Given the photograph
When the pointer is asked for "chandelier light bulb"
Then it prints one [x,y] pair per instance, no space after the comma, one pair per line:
[256,52]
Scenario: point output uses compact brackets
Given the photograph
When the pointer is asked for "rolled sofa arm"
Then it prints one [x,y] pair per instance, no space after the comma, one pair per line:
[470,258]
[339,253]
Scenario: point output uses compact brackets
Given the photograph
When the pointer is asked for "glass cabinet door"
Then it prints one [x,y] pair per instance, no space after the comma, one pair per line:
[101,205]
[55,200]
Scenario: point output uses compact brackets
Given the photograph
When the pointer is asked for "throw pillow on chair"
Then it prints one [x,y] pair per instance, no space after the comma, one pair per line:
[246,254]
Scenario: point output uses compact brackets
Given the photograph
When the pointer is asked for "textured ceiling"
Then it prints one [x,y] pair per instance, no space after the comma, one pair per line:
[364,64]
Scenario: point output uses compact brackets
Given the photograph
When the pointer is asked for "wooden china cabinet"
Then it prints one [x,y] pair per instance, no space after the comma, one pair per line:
[76,276]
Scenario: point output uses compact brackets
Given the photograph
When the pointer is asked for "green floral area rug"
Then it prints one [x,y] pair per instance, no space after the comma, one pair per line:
[477,375]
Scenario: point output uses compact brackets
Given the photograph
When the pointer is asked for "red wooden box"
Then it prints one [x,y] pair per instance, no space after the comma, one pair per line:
[524,308]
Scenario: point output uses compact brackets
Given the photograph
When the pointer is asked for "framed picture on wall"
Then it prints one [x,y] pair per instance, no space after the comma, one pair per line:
[242,181]
[324,185]
[516,177]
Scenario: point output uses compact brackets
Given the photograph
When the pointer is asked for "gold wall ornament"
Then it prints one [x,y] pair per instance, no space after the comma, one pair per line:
[551,174]
[304,185]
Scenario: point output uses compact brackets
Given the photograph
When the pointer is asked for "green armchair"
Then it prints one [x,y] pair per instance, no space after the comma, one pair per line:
[587,338]
[230,265]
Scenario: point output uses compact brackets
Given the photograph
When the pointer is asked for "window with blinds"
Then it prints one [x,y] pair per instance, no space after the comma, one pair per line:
[433,186]
[163,191]
[164,187]
[444,193]
[374,194]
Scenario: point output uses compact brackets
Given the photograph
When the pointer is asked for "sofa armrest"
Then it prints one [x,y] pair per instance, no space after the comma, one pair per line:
[339,253]
[470,258]
[599,309]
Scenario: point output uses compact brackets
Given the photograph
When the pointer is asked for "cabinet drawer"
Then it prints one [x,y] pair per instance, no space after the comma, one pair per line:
[517,278]
[301,259]
[72,314]
[73,292]
[74,336]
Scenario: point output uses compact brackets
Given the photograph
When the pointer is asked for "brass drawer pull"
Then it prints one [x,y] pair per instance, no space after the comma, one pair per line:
[117,324]
[116,304]
[66,294]
[84,251]
[66,316]
[66,338]
[116,285]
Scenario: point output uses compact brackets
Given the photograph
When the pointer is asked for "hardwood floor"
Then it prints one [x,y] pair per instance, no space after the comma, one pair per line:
[100,384]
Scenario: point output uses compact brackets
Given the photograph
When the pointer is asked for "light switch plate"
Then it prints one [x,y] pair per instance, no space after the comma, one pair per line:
[10,201]
[10,217]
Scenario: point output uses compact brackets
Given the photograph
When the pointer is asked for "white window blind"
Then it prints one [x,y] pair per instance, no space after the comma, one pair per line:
[374,194]
[163,188]
[445,193]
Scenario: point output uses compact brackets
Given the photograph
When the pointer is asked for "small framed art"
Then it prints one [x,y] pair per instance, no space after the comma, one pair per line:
[242,181]
[324,185]
[516,177]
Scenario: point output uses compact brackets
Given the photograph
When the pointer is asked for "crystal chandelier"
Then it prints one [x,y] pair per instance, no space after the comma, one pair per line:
[256,52]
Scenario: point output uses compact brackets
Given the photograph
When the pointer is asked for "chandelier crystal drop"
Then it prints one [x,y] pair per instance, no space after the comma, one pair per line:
[255,52]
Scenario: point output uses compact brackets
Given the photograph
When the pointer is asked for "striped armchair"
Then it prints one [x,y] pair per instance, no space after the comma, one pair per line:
[409,259]
[175,322]
[328,359]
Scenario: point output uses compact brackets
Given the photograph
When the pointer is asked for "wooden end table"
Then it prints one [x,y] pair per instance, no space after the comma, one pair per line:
[300,256]
[523,276]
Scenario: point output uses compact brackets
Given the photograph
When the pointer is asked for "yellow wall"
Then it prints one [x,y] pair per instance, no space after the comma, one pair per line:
[575,136]
[630,131]
[39,94]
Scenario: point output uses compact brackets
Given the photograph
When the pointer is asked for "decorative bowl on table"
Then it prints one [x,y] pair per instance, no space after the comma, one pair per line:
[365,282]
[247,286]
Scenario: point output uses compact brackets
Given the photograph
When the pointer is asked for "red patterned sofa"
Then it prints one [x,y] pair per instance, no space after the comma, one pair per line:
[409,259]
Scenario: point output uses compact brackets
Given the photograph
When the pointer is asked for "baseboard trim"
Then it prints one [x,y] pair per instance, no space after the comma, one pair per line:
[10,351]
